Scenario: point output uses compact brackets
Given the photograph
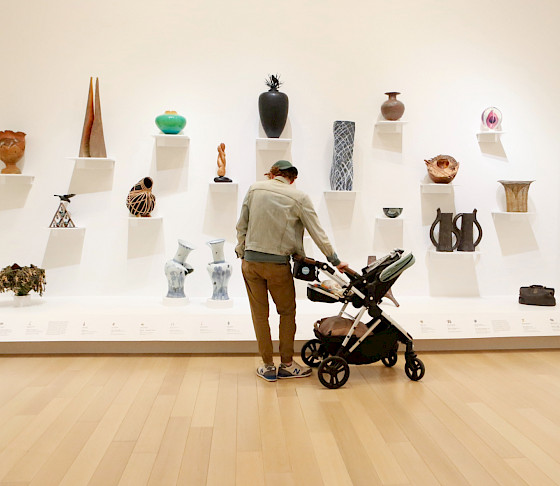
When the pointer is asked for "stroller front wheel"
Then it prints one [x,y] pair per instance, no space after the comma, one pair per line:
[313,352]
[333,372]
[414,369]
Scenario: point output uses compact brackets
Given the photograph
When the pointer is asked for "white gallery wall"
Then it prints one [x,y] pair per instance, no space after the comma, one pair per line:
[208,61]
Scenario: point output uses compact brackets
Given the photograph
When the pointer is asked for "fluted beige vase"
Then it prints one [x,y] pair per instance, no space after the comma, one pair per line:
[516,195]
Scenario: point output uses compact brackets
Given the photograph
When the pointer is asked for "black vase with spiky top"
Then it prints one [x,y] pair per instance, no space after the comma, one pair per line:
[273,108]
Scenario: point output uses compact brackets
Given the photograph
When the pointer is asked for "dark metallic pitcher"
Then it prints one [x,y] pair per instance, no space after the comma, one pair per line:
[466,232]
[446,232]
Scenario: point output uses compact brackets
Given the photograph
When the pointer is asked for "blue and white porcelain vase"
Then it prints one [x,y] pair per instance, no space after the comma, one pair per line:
[219,271]
[342,169]
[176,270]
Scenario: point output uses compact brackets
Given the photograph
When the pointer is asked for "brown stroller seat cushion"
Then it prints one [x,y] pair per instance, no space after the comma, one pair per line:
[339,326]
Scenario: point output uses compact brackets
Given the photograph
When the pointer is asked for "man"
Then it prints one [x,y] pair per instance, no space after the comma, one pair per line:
[270,229]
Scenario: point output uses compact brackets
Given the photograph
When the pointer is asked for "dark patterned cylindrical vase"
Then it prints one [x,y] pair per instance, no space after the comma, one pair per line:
[342,169]
[140,201]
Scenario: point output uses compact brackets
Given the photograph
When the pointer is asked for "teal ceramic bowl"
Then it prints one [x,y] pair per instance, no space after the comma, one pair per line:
[171,123]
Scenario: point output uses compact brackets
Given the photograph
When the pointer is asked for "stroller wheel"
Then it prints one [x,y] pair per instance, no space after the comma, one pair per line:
[313,352]
[333,372]
[390,359]
[414,369]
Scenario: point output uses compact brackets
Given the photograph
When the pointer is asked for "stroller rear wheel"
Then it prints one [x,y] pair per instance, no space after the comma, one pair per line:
[414,369]
[333,372]
[313,352]
[390,359]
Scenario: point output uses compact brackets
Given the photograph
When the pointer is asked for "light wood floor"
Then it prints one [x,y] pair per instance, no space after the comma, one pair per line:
[475,419]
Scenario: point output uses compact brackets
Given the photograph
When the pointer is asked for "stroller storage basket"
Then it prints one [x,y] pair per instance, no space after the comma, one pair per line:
[379,344]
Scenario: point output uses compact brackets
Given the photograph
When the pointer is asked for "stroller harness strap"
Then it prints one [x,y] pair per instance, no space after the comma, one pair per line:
[396,268]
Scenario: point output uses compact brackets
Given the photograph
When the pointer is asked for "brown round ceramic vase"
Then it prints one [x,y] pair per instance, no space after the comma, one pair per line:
[392,109]
[12,147]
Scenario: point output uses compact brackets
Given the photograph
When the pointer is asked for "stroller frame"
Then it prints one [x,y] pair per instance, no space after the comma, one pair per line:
[364,291]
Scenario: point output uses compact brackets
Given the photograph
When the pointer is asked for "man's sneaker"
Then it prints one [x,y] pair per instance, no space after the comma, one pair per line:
[267,372]
[293,371]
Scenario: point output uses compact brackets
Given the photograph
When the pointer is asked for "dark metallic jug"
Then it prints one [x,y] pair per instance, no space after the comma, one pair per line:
[466,232]
[446,232]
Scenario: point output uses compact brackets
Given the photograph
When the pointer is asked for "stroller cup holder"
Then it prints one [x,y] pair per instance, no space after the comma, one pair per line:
[333,352]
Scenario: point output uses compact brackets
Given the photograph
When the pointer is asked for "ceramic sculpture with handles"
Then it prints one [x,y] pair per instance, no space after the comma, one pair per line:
[446,232]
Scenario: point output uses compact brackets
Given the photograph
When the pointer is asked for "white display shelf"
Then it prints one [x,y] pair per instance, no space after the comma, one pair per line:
[433,188]
[75,229]
[16,179]
[384,218]
[340,195]
[453,254]
[511,215]
[273,143]
[390,126]
[167,140]
[227,187]
[93,163]
[435,323]
[489,136]
[133,220]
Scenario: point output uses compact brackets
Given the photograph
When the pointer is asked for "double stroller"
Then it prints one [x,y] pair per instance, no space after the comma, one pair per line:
[344,339]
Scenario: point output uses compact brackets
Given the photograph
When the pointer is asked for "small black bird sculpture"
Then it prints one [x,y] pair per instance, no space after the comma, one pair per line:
[65,197]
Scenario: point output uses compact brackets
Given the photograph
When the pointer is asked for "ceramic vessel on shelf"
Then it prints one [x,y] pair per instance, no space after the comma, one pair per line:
[392,212]
[12,148]
[273,108]
[442,169]
[491,118]
[177,269]
[517,193]
[342,168]
[466,231]
[171,123]
[140,201]
[392,109]
[446,232]
[219,270]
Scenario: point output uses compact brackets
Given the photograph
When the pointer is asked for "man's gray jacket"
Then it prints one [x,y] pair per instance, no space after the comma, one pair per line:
[272,220]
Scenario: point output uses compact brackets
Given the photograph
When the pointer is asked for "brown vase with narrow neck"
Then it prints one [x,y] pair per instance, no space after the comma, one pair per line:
[392,109]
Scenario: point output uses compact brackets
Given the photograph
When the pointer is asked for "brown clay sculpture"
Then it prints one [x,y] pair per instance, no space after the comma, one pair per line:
[12,147]
[442,169]
[93,142]
[222,164]
[140,201]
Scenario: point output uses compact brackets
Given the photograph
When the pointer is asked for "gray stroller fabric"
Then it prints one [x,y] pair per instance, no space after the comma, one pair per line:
[395,269]
[339,326]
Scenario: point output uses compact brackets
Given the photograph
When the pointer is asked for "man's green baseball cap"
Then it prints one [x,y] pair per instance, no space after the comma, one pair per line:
[283,165]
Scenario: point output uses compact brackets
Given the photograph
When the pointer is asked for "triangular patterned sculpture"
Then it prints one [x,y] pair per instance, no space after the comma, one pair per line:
[93,142]
[62,217]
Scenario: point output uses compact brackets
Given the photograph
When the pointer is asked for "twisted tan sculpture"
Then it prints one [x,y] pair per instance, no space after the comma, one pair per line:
[222,164]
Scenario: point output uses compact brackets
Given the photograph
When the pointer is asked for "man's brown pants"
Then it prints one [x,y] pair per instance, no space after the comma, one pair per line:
[276,278]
